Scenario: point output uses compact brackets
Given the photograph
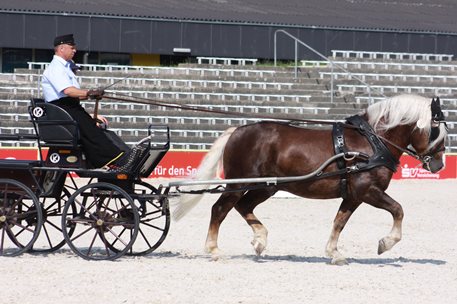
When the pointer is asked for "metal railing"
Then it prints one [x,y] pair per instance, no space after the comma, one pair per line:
[332,64]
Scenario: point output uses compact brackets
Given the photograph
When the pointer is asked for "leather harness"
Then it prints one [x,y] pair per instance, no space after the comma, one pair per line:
[381,154]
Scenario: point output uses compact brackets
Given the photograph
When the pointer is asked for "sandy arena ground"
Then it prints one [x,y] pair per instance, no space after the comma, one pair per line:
[422,268]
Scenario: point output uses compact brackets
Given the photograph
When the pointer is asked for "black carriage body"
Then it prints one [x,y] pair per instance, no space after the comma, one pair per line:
[61,156]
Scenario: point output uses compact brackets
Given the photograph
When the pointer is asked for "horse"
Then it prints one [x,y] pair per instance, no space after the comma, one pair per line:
[381,133]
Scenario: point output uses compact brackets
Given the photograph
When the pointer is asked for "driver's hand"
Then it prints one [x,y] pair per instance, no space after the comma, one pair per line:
[101,121]
[95,93]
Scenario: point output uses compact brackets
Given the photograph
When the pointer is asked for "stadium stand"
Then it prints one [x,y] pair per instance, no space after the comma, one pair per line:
[251,90]
[390,55]
[226,61]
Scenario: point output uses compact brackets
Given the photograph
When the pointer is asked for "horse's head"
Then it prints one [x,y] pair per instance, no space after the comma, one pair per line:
[421,123]
[428,139]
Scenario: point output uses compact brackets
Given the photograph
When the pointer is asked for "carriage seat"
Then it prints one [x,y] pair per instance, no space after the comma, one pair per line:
[54,126]
[58,131]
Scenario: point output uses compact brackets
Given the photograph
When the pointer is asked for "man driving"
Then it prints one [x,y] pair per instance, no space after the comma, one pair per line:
[61,88]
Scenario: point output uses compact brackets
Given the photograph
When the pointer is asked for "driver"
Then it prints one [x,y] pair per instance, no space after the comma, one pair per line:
[61,87]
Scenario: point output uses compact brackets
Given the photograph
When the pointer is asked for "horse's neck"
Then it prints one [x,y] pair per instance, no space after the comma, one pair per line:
[400,136]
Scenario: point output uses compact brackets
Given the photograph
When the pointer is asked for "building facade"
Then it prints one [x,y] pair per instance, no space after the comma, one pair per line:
[109,37]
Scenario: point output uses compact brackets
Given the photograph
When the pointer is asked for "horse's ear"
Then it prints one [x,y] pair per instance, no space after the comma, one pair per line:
[437,114]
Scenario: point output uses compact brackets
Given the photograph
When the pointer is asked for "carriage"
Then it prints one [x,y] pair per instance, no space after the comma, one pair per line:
[118,213]
[42,207]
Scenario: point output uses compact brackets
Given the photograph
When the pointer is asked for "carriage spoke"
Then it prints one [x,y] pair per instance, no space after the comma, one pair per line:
[48,239]
[120,234]
[145,238]
[2,241]
[118,238]
[11,235]
[153,226]
[105,242]
[24,228]
[54,226]
[50,206]
[81,234]
[92,243]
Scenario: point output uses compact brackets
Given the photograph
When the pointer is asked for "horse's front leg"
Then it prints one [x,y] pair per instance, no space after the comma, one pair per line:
[384,201]
[345,211]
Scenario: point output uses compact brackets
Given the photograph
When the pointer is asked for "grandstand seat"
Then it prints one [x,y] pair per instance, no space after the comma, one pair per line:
[226,61]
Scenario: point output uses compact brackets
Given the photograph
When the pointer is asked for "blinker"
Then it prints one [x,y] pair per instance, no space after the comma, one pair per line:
[437,119]
[434,133]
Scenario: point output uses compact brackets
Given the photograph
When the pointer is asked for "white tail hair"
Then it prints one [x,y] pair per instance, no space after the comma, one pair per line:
[207,170]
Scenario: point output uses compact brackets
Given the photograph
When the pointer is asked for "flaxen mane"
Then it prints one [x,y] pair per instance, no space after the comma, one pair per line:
[403,110]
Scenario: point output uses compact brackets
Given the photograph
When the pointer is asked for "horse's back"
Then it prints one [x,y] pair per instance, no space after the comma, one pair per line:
[276,149]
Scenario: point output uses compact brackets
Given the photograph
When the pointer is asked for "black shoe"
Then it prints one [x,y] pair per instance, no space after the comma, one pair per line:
[129,160]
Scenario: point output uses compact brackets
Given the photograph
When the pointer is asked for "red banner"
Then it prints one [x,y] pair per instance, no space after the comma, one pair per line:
[178,164]
[411,168]
[185,163]
[21,154]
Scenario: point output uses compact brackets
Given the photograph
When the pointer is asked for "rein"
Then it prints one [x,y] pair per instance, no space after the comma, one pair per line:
[149,101]
[425,159]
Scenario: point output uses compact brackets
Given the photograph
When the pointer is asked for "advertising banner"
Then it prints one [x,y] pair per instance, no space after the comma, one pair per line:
[20,154]
[411,168]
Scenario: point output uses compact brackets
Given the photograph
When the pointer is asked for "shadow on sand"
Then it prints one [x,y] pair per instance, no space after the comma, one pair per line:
[395,262]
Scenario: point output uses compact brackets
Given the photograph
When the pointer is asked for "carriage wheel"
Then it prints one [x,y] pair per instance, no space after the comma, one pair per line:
[51,236]
[104,212]
[154,215]
[20,218]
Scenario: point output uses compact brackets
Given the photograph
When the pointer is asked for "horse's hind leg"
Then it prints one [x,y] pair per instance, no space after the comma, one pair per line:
[384,201]
[245,207]
[345,211]
[218,213]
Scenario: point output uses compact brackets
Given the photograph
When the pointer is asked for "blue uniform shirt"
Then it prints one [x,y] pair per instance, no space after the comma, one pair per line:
[56,78]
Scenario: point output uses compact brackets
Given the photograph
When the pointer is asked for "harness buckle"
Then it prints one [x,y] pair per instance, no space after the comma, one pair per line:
[340,141]
[353,168]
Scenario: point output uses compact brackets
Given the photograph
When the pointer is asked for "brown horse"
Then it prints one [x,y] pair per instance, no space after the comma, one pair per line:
[269,149]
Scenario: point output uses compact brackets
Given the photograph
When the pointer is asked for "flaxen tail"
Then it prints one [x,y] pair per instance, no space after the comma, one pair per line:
[206,170]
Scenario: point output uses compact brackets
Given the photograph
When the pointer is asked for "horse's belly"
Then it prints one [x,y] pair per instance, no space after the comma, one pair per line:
[322,189]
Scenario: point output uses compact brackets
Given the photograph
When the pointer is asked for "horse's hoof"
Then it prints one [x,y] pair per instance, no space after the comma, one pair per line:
[215,257]
[259,247]
[382,247]
[386,244]
[339,261]
[214,252]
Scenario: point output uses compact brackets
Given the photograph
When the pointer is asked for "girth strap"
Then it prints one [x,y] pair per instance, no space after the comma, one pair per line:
[340,147]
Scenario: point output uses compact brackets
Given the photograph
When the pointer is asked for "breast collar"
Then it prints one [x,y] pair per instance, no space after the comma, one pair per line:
[381,154]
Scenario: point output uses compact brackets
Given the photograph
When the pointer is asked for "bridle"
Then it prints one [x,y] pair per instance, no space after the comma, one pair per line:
[437,120]
[425,158]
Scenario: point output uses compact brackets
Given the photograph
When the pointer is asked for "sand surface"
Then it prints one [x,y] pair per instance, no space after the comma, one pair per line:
[422,268]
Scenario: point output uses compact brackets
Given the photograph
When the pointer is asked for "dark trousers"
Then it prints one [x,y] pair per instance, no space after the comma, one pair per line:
[97,147]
